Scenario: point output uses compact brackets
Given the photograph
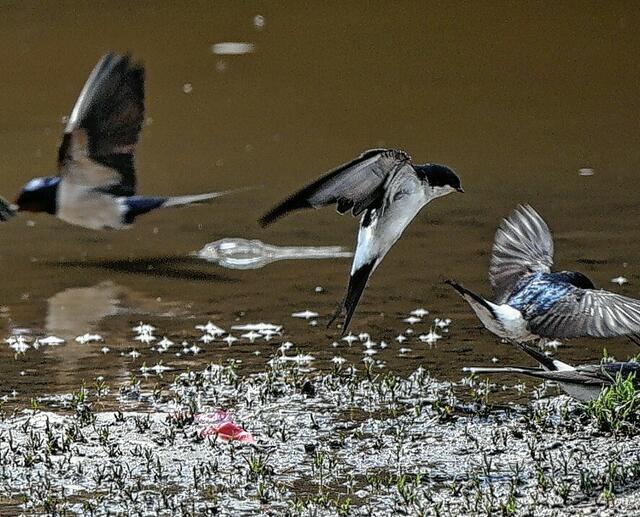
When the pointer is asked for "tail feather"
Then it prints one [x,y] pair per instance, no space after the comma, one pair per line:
[357,283]
[466,294]
[200,198]
[548,363]
[503,369]
[562,376]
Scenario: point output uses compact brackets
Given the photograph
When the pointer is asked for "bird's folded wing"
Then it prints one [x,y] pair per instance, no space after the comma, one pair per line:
[98,146]
[6,210]
[354,186]
[522,245]
[572,376]
[586,312]
[609,371]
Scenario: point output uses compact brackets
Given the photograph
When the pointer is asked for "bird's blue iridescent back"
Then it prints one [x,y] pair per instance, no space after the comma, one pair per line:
[538,293]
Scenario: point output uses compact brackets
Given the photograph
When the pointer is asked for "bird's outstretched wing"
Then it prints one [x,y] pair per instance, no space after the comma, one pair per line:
[6,210]
[98,146]
[354,186]
[522,245]
[589,312]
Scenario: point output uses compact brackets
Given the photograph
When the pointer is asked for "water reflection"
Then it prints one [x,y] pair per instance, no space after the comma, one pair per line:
[78,310]
[254,254]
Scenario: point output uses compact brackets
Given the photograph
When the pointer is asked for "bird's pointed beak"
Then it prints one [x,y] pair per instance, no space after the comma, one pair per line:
[460,189]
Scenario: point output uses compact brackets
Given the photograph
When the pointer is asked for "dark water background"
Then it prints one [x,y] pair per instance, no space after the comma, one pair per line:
[516,97]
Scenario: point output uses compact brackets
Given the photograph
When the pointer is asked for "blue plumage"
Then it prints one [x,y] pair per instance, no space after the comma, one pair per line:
[532,302]
[39,195]
[538,293]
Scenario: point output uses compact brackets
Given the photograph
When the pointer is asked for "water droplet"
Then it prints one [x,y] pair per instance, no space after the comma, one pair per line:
[259,22]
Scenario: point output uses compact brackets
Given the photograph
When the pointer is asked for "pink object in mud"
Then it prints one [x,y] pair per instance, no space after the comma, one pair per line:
[222,425]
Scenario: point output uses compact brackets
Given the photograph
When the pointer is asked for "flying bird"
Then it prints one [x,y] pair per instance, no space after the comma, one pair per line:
[531,302]
[96,182]
[388,191]
[584,382]
[7,210]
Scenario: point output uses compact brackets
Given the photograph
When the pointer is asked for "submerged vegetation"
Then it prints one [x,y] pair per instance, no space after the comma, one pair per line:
[351,441]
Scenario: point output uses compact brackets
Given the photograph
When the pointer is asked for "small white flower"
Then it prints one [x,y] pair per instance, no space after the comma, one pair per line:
[88,338]
[307,314]
[251,336]
[230,339]
[211,328]
[350,339]
[143,328]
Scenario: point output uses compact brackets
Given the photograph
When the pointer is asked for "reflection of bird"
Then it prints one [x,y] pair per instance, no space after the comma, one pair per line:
[531,302]
[389,190]
[584,382]
[78,310]
[96,183]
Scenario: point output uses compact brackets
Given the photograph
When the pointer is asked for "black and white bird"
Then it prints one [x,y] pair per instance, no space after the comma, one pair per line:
[584,382]
[96,182]
[388,190]
[531,302]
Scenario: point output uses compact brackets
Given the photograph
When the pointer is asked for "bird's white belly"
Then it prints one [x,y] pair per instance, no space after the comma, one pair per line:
[88,208]
[582,392]
[513,325]
[376,240]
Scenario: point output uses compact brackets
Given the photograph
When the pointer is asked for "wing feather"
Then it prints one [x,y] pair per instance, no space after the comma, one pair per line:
[589,312]
[354,186]
[522,245]
[103,128]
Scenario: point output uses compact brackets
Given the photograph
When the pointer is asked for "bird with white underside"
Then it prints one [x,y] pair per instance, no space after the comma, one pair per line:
[532,303]
[387,190]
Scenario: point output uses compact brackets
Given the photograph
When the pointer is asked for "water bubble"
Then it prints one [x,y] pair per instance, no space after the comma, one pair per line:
[307,314]
[620,280]
[253,254]
[259,22]
[232,48]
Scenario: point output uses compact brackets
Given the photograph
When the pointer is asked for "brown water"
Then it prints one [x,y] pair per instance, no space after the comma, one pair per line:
[516,98]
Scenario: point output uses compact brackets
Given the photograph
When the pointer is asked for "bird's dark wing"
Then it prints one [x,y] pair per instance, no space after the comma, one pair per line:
[589,312]
[98,146]
[607,372]
[522,245]
[354,186]
[6,210]
[569,376]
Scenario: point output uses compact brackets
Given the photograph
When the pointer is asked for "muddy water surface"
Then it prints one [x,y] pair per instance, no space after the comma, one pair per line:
[516,98]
